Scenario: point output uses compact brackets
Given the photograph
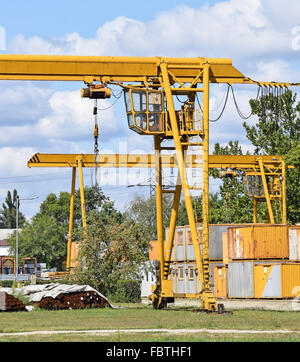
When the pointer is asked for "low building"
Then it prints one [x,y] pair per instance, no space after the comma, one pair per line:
[4,236]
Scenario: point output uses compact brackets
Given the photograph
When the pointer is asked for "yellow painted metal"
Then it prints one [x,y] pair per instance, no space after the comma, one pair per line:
[285,285]
[290,280]
[220,281]
[159,208]
[146,161]
[266,190]
[72,200]
[167,288]
[170,241]
[261,276]
[208,301]
[106,68]
[284,211]
[83,213]
[254,210]
[205,195]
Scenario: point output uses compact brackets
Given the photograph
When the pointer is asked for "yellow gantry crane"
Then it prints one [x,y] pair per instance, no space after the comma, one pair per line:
[150,85]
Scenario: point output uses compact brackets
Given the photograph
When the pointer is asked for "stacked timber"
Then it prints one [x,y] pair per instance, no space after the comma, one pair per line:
[9,303]
[61,296]
[75,300]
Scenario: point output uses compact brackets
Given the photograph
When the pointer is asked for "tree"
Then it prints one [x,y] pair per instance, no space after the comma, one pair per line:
[8,212]
[110,252]
[45,237]
[277,132]
[235,205]
[143,212]
[293,156]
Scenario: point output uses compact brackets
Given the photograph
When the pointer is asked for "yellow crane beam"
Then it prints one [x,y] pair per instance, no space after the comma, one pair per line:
[118,69]
[106,68]
[146,160]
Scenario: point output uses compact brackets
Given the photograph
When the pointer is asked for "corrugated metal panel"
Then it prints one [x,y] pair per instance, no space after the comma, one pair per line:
[240,280]
[271,242]
[215,241]
[294,243]
[258,242]
[290,276]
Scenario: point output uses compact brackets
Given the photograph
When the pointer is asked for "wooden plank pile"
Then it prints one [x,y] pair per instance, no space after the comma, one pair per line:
[74,300]
[9,303]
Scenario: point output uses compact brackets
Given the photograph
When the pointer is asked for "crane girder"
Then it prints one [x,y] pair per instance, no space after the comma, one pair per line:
[147,161]
[118,69]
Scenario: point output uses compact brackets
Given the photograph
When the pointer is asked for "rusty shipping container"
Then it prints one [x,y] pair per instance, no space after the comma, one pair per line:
[215,241]
[277,280]
[263,279]
[258,242]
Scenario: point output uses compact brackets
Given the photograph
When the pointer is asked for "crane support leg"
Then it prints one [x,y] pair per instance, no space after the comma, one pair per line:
[208,300]
[170,241]
[266,191]
[71,219]
[159,206]
[83,213]
[284,213]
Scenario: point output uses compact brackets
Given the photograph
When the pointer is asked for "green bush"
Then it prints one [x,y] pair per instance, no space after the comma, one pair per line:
[126,291]
[6,283]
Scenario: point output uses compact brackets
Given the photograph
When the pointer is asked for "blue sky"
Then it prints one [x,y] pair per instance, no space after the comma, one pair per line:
[261,36]
[58,17]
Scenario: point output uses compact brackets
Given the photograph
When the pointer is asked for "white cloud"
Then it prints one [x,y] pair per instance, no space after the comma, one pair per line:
[13,160]
[66,117]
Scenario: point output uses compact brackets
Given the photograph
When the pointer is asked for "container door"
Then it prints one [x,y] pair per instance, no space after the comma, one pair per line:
[190,278]
[267,281]
[220,278]
[180,279]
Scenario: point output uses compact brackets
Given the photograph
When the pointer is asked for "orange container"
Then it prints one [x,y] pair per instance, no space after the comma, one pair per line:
[74,254]
[277,280]
[258,242]
[220,281]
[153,250]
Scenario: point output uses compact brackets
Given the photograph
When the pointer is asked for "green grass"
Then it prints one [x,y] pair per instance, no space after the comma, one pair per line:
[139,316]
